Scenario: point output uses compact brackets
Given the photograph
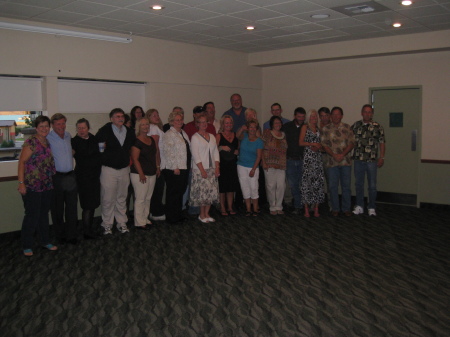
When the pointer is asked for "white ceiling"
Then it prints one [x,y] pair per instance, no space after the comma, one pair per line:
[221,23]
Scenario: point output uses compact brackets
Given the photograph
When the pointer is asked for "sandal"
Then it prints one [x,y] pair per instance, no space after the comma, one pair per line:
[273,212]
[50,247]
[248,213]
[255,213]
[28,252]
[224,213]
[232,212]
[280,212]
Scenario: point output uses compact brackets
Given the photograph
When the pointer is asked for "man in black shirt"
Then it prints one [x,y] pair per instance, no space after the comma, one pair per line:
[116,140]
[294,154]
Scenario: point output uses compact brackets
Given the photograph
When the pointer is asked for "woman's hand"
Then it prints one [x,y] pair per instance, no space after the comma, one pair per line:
[158,172]
[225,148]
[22,189]
[204,174]
[142,178]
[176,172]
[252,173]
[217,172]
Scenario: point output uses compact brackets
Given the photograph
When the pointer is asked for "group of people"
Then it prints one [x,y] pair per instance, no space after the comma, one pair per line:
[197,164]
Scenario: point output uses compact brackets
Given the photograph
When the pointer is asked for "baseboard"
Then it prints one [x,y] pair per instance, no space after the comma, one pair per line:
[440,207]
[397,198]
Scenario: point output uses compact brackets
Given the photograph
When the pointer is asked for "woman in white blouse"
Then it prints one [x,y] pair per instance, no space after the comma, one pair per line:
[205,170]
[177,154]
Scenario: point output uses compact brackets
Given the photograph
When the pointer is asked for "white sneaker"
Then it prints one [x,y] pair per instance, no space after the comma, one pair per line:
[123,229]
[158,218]
[107,231]
[372,212]
[359,210]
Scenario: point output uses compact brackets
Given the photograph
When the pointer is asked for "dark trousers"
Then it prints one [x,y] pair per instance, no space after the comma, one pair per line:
[156,203]
[175,187]
[64,206]
[37,205]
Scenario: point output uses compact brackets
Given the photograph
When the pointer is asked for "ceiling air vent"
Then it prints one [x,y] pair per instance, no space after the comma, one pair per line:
[362,8]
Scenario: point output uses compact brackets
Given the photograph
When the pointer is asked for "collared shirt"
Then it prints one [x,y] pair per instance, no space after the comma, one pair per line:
[120,134]
[367,138]
[238,121]
[337,138]
[266,125]
[62,151]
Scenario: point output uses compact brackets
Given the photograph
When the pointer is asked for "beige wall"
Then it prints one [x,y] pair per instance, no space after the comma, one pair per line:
[187,75]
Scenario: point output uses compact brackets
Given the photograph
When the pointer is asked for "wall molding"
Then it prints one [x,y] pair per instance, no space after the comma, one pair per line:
[434,161]
[2,179]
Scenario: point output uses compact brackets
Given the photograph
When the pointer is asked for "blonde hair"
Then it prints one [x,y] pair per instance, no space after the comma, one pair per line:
[309,114]
[222,121]
[138,125]
[174,114]
[248,110]
[151,112]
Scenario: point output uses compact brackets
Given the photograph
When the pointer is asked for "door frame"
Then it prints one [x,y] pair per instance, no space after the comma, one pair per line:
[419,131]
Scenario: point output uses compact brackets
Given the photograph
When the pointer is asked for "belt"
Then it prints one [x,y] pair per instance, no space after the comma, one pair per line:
[64,173]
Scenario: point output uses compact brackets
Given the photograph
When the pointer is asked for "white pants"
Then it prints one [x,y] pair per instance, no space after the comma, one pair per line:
[114,190]
[143,194]
[249,185]
[275,187]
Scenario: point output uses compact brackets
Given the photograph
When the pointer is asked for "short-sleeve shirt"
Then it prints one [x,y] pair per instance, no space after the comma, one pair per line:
[40,167]
[337,138]
[147,157]
[367,138]
[249,151]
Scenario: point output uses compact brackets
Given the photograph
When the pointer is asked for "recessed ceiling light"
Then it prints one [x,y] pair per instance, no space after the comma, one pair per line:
[157,7]
[406,2]
[320,16]
[397,25]
[250,27]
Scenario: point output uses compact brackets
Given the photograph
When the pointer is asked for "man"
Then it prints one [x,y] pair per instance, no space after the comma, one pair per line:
[369,136]
[191,127]
[275,110]
[211,115]
[65,196]
[338,141]
[237,112]
[324,116]
[294,155]
[166,126]
[115,176]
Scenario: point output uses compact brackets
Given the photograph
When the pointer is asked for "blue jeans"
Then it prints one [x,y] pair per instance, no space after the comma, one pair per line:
[37,206]
[361,168]
[294,173]
[340,174]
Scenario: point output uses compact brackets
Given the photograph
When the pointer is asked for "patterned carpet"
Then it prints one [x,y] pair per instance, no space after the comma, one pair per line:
[259,276]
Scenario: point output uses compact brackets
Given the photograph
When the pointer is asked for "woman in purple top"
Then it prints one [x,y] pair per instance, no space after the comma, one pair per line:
[35,171]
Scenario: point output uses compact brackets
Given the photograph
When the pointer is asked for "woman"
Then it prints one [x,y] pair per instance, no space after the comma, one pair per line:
[35,171]
[313,177]
[143,172]
[205,170]
[250,115]
[136,114]
[228,151]
[250,154]
[177,153]
[87,171]
[274,164]
[156,131]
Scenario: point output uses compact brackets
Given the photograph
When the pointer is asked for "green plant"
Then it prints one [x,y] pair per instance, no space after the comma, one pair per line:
[7,143]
